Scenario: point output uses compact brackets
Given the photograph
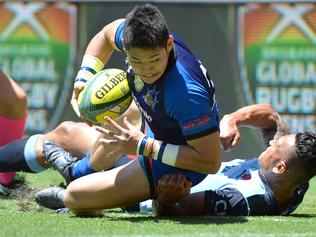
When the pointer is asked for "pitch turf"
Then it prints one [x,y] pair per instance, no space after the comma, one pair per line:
[21,217]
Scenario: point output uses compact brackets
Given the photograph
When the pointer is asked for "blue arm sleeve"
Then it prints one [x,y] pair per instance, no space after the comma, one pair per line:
[119,37]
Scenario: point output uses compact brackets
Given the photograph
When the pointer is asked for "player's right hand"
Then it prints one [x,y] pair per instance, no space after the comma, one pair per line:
[74,102]
[173,188]
[229,133]
[74,98]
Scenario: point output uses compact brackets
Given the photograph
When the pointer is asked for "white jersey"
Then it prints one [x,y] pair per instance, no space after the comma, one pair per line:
[239,188]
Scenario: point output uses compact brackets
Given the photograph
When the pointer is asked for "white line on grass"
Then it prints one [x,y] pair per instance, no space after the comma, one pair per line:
[225,235]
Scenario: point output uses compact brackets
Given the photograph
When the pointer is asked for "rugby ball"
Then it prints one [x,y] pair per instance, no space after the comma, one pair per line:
[106,94]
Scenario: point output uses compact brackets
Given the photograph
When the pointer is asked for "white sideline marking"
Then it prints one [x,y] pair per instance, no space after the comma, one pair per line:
[311,234]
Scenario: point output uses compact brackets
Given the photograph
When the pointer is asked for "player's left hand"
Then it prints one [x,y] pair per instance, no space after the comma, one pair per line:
[126,138]
[173,188]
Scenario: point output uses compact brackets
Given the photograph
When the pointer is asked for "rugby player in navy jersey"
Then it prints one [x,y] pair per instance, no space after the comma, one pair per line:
[176,97]
[272,184]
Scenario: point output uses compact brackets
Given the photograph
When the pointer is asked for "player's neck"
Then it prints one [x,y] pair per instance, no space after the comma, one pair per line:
[283,189]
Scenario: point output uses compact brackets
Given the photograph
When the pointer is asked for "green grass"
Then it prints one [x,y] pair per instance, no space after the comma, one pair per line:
[24,218]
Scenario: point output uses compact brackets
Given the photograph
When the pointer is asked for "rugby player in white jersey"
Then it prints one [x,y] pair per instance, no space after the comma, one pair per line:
[272,184]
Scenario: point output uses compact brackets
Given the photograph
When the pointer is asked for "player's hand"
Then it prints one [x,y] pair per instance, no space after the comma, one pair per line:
[173,188]
[229,133]
[282,128]
[126,138]
[74,102]
[74,98]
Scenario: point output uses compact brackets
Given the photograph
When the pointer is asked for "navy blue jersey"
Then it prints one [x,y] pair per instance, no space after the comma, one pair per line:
[180,105]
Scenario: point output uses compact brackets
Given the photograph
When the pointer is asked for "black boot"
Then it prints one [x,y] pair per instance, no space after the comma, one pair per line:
[59,159]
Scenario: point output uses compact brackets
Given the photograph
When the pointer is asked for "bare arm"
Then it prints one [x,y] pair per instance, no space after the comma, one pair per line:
[97,54]
[262,116]
[201,155]
[102,44]
[173,197]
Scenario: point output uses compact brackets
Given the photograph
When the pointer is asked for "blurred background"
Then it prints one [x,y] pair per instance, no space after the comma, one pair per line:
[261,52]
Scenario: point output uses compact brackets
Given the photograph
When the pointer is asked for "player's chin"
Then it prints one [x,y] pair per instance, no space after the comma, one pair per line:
[150,79]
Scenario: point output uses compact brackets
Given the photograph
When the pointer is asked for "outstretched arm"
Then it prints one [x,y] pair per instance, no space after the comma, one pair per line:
[262,116]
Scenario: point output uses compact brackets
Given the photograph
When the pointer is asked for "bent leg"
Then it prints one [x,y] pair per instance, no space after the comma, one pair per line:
[12,116]
[113,188]
[75,137]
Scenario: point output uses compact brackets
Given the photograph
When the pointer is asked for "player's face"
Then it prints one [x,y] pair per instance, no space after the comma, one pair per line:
[149,64]
[280,149]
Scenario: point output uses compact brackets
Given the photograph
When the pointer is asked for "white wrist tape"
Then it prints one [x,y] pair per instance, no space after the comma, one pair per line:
[168,154]
[165,152]
[89,67]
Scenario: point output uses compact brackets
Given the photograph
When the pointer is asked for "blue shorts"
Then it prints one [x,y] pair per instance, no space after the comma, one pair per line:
[155,169]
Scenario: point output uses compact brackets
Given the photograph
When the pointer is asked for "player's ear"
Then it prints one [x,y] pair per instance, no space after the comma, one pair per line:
[170,43]
[280,167]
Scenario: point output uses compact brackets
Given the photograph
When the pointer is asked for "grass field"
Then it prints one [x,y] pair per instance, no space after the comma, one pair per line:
[22,217]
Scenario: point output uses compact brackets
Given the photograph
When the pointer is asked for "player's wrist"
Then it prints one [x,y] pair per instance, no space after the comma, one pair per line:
[158,150]
[89,67]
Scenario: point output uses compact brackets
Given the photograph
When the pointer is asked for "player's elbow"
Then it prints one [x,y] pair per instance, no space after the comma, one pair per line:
[16,106]
[213,160]
[212,166]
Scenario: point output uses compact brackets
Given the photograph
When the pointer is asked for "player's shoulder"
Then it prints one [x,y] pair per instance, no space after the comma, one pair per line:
[262,200]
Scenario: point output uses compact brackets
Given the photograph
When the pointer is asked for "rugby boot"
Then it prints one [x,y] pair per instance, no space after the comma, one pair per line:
[59,159]
[52,197]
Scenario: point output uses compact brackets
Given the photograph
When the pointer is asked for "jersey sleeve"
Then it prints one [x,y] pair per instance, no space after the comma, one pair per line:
[225,202]
[119,37]
[193,107]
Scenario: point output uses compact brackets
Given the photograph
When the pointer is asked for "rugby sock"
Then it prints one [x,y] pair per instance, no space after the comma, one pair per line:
[20,156]
[82,167]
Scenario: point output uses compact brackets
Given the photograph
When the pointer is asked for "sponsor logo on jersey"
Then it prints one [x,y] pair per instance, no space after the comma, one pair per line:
[138,84]
[151,98]
[144,113]
[197,122]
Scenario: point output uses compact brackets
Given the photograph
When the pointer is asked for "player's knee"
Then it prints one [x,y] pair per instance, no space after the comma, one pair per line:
[63,132]
[16,107]
[73,197]
[70,199]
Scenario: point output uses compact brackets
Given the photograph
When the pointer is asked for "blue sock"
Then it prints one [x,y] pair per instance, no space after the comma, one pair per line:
[82,168]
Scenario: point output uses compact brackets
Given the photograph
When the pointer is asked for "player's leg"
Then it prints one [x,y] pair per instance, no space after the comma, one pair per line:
[27,154]
[13,98]
[12,116]
[102,190]
[103,157]
[100,157]
[75,137]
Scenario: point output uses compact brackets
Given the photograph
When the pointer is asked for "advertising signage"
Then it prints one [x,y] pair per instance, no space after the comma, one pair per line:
[277,59]
[37,46]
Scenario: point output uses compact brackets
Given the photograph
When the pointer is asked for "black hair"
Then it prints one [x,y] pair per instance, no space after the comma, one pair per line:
[145,27]
[306,152]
